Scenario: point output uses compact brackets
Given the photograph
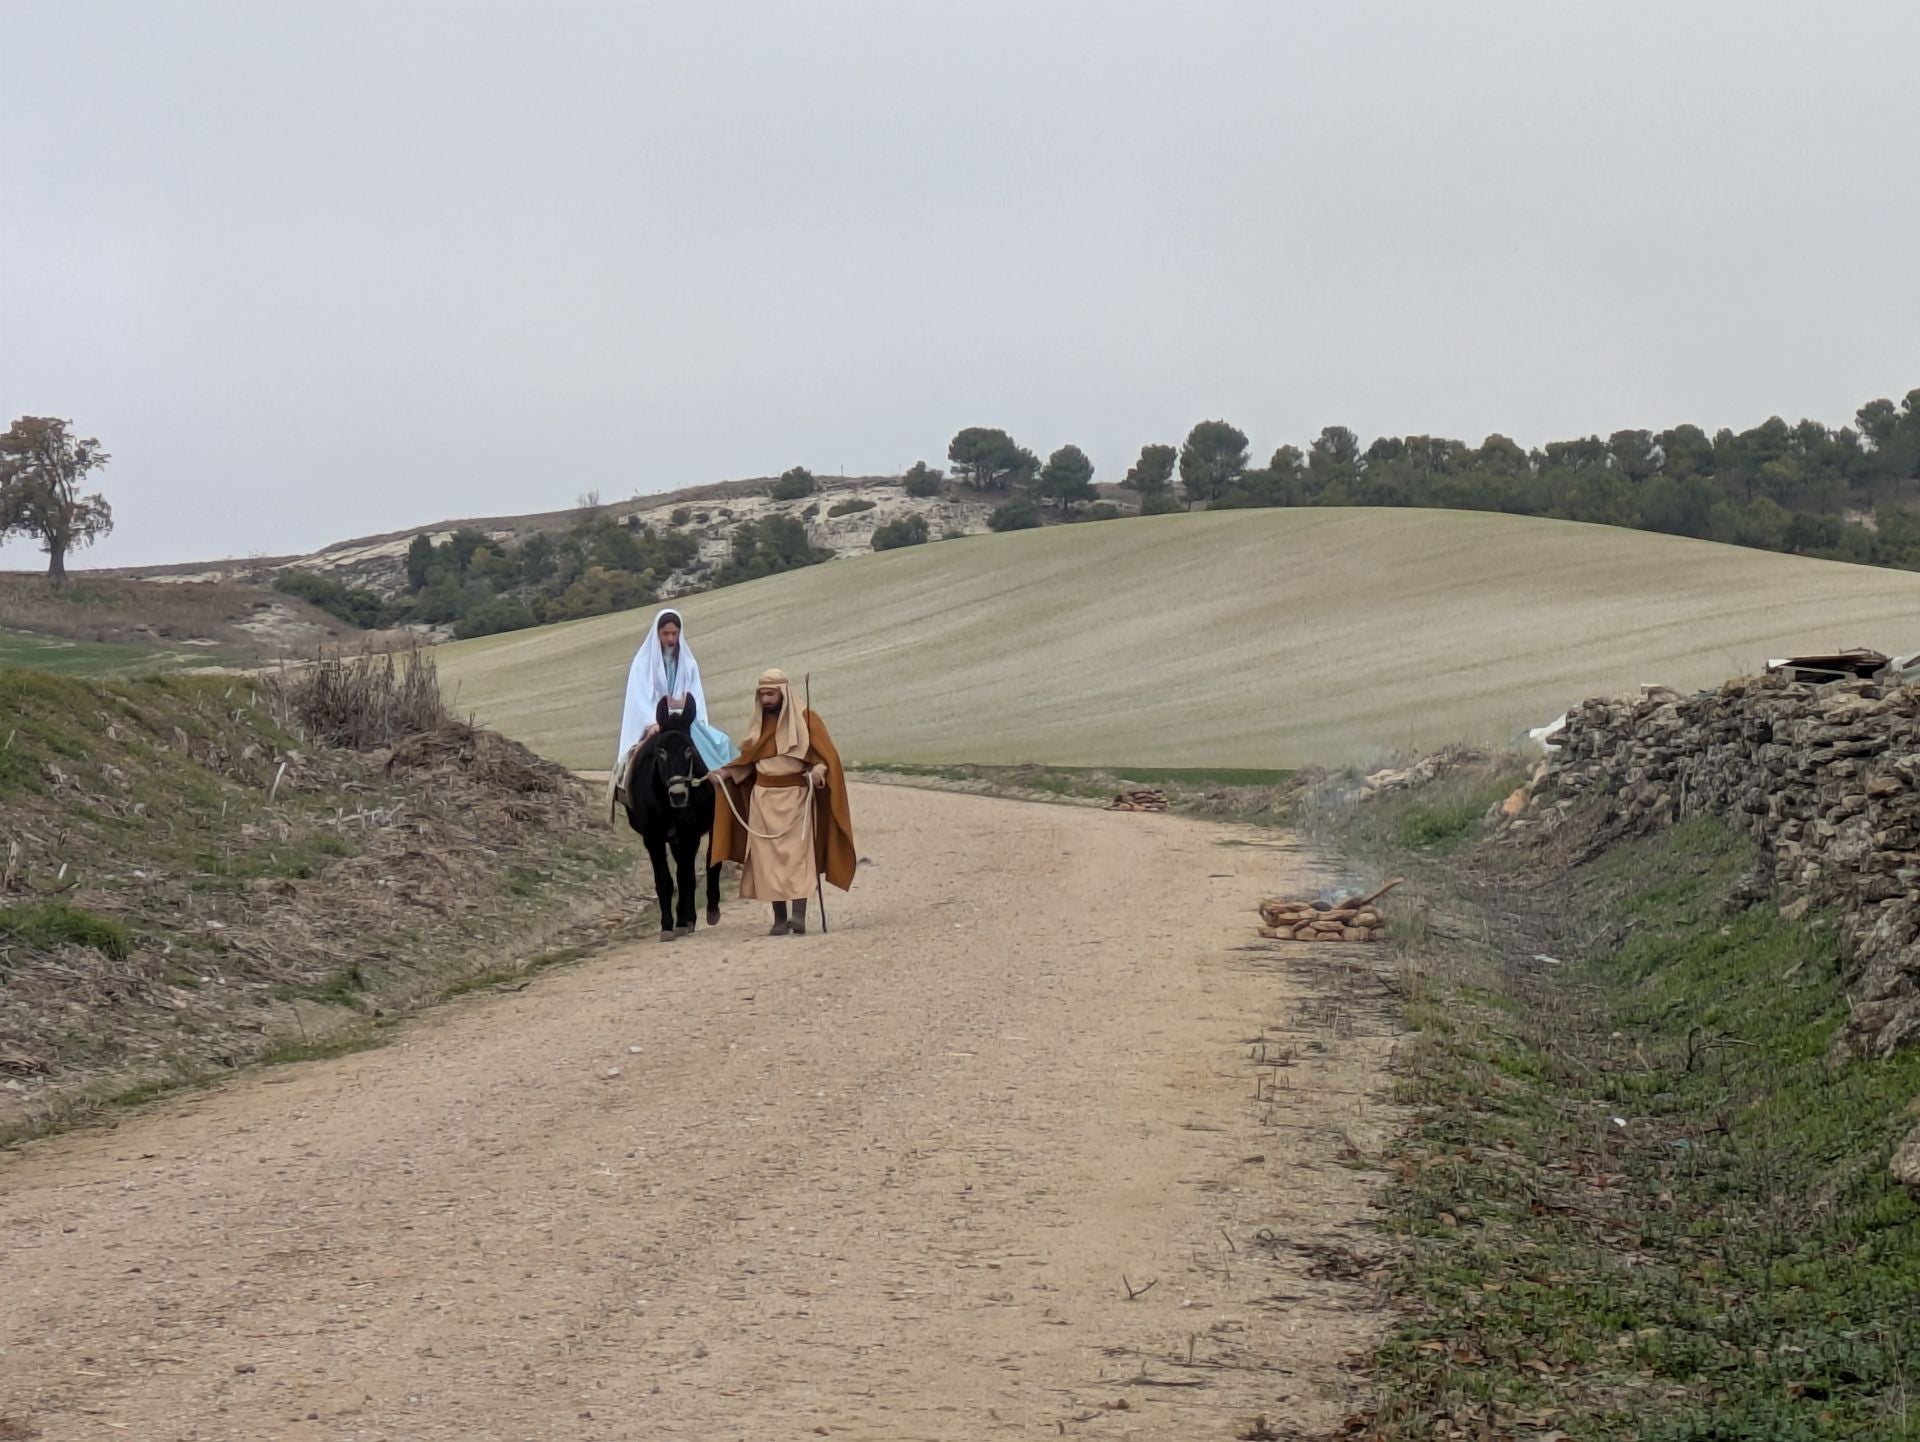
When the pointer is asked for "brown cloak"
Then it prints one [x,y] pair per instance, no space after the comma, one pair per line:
[833,851]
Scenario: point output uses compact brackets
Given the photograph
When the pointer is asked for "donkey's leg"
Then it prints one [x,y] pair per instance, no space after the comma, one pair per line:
[713,886]
[686,864]
[662,884]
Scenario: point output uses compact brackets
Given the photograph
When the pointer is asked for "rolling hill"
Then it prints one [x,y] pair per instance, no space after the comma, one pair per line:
[1239,638]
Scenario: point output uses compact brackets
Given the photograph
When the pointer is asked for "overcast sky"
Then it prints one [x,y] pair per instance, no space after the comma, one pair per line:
[311,270]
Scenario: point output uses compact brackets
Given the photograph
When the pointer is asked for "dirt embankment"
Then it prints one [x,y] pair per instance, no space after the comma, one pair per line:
[190,883]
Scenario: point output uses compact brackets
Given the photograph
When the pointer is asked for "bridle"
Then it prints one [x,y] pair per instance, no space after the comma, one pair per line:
[678,785]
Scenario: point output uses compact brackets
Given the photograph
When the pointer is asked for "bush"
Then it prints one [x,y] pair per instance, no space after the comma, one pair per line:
[681,516]
[794,485]
[907,531]
[490,618]
[350,604]
[767,547]
[1160,504]
[1103,511]
[849,508]
[923,481]
[600,592]
[1018,514]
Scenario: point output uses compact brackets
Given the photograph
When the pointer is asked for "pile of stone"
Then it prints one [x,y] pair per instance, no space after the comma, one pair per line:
[1826,778]
[1420,773]
[1349,918]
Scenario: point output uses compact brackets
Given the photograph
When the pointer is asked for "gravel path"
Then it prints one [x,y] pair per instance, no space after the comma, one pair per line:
[882,1184]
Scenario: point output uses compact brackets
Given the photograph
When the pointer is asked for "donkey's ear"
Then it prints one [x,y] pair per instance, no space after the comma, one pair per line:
[693,709]
[660,713]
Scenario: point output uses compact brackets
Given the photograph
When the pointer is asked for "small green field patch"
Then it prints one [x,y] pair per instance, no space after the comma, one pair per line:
[48,924]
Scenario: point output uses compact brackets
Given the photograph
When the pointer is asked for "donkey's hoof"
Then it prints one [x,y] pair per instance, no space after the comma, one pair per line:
[713,917]
[686,930]
[667,934]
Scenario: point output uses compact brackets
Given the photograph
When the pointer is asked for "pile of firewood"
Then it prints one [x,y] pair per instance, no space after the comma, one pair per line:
[1139,801]
[1350,918]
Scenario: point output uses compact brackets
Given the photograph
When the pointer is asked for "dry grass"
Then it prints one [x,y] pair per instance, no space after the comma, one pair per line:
[364,701]
[219,619]
[195,880]
[1269,638]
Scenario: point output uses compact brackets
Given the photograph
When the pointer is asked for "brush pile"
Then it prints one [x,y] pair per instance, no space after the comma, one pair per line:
[1139,801]
[1348,918]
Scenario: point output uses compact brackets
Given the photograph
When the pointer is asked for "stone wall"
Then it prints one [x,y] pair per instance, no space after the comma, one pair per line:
[1825,778]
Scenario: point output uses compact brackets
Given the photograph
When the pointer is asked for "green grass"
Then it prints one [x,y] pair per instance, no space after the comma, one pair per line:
[83,658]
[1728,1259]
[1440,818]
[56,923]
[1439,828]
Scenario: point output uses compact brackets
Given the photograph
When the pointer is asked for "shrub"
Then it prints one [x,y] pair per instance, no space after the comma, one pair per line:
[767,547]
[1161,503]
[350,604]
[923,481]
[1103,511]
[794,485]
[601,591]
[907,531]
[490,618]
[681,516]
[849,508]
[1018,514]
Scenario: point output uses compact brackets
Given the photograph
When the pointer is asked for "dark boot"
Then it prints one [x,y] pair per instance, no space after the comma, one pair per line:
[799,918]
[781,926]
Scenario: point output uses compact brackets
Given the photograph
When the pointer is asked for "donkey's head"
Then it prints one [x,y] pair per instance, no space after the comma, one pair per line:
[676,761]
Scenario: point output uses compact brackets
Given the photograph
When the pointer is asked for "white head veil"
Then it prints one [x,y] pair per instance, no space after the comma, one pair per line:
[647,683]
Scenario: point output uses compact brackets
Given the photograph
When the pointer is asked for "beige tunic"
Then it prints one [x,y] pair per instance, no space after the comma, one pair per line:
[781,869]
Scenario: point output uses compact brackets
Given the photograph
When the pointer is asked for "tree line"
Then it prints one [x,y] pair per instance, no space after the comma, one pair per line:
[1849,493]
[1841,493]
[481,586]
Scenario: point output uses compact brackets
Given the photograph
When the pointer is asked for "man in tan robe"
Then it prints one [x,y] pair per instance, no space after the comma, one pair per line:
[792,790]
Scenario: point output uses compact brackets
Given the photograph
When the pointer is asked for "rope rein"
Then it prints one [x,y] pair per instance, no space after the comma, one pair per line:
[805,813]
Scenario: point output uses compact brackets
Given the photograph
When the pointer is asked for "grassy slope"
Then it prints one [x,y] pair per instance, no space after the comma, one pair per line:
[1633,1201]
[184,903]
[76,658]
[1248,638]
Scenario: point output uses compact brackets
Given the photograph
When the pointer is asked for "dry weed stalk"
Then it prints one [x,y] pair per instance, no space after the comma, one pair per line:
[365,701]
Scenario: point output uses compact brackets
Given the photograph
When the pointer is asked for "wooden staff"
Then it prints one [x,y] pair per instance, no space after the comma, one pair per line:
[813,814]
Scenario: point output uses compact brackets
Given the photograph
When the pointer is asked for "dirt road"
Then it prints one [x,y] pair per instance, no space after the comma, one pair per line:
[883,1184]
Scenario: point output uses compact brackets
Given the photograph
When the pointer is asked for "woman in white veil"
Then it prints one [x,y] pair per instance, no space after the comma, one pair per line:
[664,666]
